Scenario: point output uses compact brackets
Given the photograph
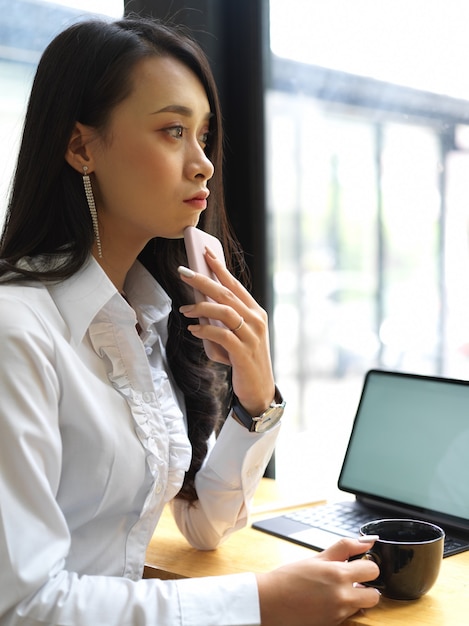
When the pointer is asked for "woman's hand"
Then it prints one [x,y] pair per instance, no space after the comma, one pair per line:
[247,343]
[321,591]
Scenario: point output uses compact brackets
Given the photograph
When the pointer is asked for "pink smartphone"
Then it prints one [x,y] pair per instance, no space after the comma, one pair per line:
[196,241]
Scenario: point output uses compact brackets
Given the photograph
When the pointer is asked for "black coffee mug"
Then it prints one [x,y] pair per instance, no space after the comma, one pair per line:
[408,554]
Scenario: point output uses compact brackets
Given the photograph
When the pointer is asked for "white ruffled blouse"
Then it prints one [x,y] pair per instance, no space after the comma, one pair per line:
[93,444]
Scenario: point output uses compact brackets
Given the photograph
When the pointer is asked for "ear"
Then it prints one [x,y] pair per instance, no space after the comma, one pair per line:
[79,150]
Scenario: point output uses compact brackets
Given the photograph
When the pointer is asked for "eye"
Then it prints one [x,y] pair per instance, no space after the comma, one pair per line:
[204,139]
[175,131]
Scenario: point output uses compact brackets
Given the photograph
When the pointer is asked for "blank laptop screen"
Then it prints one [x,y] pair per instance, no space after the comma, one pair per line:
[410,443]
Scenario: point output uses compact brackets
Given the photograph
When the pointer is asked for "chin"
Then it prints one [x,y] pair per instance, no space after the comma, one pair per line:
[179,234]
[193,223]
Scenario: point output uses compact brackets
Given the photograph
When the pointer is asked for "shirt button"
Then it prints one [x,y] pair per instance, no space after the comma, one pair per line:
[147,397]
[158,488]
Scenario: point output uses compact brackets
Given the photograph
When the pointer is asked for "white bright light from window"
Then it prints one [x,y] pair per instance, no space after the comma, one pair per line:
[415,43]
[113,8]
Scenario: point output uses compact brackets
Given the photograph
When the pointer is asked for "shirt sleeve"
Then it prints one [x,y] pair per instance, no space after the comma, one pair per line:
[235,602]
[225,485]
[35,586]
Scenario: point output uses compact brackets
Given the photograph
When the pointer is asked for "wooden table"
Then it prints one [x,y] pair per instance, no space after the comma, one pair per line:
[170,556]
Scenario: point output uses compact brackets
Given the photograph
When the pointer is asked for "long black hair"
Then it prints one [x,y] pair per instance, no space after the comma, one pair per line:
[82,75]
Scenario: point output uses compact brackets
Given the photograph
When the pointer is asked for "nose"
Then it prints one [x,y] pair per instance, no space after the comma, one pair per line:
[198,164]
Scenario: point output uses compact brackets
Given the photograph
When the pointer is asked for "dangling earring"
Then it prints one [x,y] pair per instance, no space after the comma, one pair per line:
[92,207]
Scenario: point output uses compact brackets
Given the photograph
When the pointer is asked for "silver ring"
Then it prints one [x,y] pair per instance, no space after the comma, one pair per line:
[241,322]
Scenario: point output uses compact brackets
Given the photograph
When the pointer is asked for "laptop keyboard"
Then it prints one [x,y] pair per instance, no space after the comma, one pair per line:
[336,518]
[345,519]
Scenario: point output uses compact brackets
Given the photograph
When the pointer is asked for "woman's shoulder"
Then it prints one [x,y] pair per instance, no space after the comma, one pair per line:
[25,305]
[22,291]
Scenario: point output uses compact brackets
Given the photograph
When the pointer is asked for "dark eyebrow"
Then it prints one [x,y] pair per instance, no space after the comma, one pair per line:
[179,108]
[175,108]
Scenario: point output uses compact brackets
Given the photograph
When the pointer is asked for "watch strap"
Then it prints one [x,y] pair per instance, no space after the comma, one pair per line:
[246,419]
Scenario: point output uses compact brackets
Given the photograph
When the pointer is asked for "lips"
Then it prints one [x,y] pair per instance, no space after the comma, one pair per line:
[199,201]
[202,195]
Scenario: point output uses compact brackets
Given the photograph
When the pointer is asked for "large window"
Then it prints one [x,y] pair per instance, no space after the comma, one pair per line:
[26,27]
[368,200]
[368,197]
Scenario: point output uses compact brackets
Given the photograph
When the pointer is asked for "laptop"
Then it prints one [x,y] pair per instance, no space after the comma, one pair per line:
[407,457]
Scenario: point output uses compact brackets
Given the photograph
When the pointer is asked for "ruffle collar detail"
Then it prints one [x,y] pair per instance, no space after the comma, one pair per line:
[136,367]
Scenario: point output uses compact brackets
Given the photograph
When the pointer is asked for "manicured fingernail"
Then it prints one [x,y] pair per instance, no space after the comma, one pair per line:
[210,252]
[185,271]
[368,538]
[186,308]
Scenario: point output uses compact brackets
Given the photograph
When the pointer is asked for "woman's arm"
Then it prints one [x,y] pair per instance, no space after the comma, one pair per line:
[225,485]
[227,481]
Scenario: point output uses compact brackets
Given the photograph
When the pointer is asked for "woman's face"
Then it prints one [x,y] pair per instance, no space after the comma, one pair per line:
[150,172]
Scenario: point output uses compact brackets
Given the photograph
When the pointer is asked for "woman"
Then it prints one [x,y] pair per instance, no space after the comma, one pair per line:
[109,405]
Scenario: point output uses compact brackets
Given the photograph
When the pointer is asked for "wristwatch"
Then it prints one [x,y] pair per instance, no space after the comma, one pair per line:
[266,420]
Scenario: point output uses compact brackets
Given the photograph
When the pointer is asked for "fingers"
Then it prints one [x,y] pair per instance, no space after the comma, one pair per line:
[247,344]
[218,292]
[226,279]
[230,318]
[239,325]
[362,570]
[313,592]
[232,309]
[365,597]
[226,291]
[346,548]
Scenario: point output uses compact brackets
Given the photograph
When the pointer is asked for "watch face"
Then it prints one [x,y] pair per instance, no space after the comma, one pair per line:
[269,419]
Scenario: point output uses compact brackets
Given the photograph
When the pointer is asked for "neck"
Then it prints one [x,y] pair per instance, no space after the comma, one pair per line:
[116,269]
